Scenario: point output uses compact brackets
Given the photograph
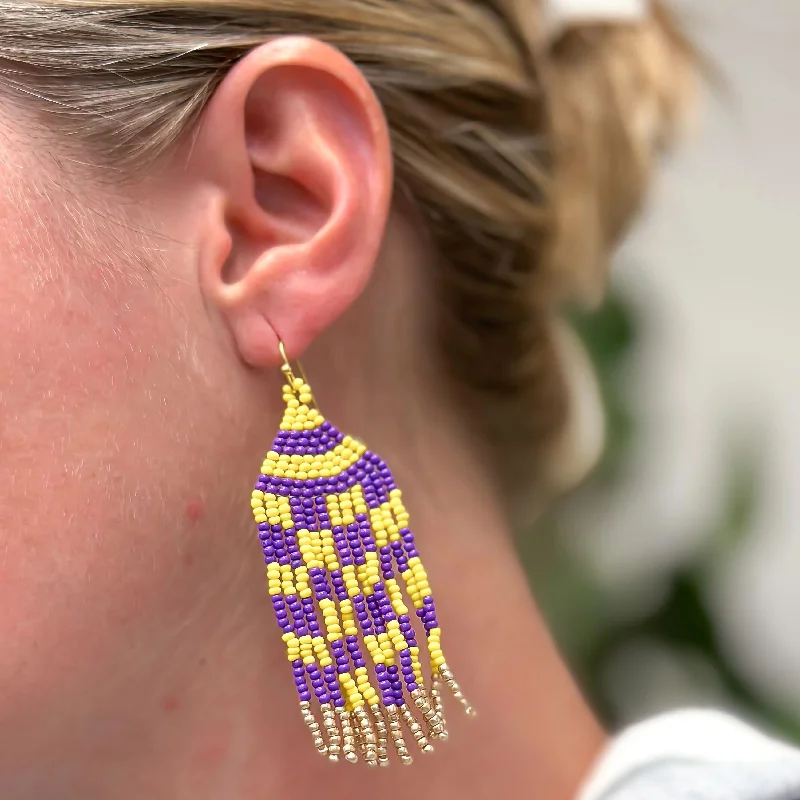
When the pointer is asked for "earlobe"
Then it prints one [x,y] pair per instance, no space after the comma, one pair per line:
[295,145]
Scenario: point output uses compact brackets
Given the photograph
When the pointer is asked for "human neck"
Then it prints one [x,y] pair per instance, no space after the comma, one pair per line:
[226,725]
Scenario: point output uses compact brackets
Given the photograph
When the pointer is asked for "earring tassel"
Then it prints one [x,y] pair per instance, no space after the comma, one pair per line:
[334,533]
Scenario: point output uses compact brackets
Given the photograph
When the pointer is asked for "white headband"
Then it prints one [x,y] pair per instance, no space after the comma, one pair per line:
[563,14]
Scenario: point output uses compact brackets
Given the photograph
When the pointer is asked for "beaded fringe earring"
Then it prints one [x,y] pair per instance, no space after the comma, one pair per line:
[334,531]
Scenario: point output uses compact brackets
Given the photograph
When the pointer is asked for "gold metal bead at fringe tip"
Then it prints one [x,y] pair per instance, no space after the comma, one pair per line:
[455,689]
[313,726]
[348,737]
[433,720]
[396,730]
[382,735]
[368,741]
[332,729]
[416,729]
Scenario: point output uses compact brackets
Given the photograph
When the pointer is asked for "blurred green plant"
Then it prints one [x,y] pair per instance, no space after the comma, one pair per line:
[581,611]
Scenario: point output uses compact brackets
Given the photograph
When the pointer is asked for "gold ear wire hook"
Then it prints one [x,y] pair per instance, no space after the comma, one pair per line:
[286,369]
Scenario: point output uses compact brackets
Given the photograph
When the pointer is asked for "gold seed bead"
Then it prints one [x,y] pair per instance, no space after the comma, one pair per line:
[348,737]
[332,729]
[368,740]
[313,726]
[382,735]
[396,730]
[416,729]
[455,689]
[438,706]
[434,722]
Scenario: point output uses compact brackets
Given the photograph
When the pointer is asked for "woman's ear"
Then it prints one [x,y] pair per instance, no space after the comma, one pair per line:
[295,150]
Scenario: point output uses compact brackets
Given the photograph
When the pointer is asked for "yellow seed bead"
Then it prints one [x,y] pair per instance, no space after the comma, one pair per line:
[438,662]
[325,661]
[369,695]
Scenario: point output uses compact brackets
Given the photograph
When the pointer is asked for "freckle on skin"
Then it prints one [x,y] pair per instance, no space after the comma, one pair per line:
[195,510]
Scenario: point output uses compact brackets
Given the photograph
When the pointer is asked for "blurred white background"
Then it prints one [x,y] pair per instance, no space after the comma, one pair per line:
[715,266]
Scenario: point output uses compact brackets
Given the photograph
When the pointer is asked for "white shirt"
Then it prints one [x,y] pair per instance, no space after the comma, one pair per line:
[695,755]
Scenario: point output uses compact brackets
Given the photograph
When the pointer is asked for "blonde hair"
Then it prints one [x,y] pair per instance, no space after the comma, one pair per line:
[527,158]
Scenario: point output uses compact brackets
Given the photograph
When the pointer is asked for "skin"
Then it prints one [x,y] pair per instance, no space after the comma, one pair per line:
[140,392]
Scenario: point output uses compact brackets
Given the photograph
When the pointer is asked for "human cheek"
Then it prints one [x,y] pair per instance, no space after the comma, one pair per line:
[85,370]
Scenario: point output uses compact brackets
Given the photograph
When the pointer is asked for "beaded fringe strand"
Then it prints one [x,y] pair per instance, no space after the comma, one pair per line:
[335,533]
